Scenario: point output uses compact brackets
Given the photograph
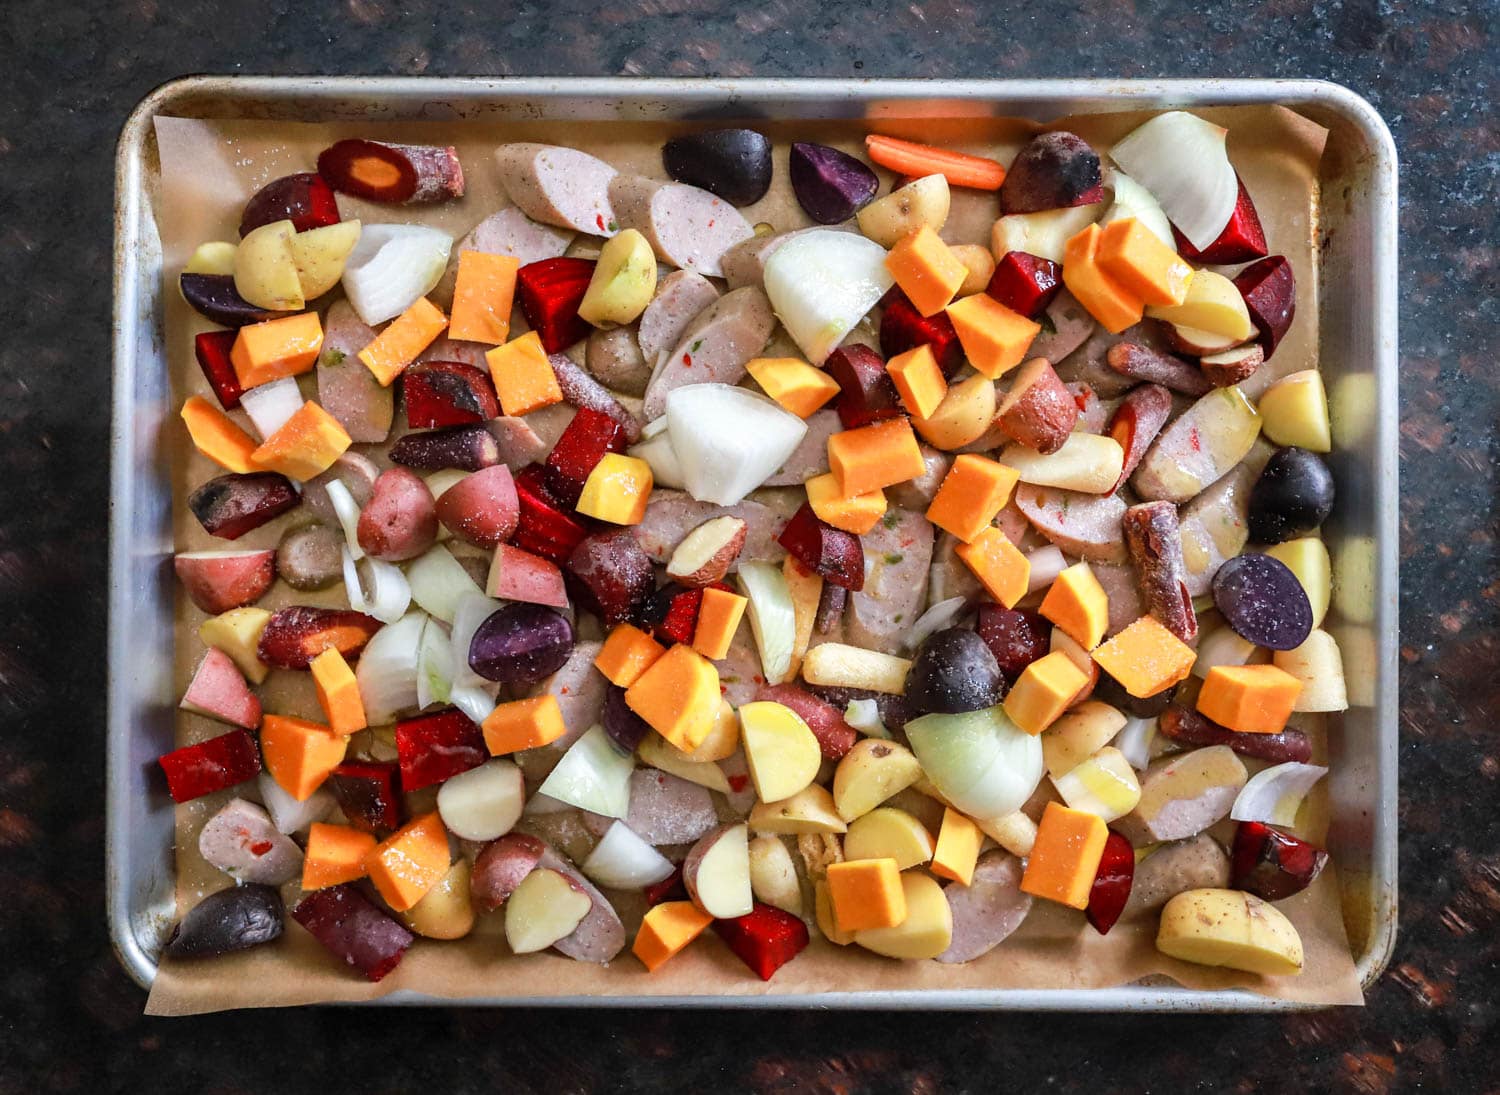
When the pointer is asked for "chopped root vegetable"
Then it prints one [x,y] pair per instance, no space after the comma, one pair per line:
[910,158]
[396,174]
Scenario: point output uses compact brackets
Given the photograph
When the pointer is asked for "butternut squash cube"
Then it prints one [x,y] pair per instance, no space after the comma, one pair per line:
[626,654]
[410,861]
[523,724]
[918,380]
[1253,699]
[404,338]
[335,854]
[1077,603]
[299,754]
[857,513]
[957,848]
[305,446]
[1145,658]
[866,893]
[678,697]
[1114,306]
[719,616]
[1133,257]
[1043,692]
[617,490]
[523,376]
[666,929]
[483,296]
[927,271]
[874,457]
[338,692]
[1003,571]
[970,495]
[995,339]
[216,436]
[263,352]
[1065,857]
[797,386]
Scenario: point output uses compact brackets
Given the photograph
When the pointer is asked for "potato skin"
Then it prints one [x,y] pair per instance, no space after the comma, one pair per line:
[1215,927]
[401,520]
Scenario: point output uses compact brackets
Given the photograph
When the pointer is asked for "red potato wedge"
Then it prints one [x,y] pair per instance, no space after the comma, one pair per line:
[499,869]
[294,636]
[835,736]
[394,174]
[219,691]
[716,872]
[400,522]
[601,934]
[706,554]
[1232,366]
[517,575]
[1038,411]
[220,580]
[1136,422]
[481,508]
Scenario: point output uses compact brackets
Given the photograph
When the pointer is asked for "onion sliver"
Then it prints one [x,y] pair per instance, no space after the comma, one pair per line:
[387,669]
[376,587]
[1181,160]
[594,774]
[1273,796]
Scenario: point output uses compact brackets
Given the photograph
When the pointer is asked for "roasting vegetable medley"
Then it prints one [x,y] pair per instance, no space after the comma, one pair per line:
[843,577]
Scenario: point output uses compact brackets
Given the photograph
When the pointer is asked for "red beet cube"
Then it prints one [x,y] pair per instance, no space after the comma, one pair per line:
[670,888]
[1025,283]
[209,766]
[550,292]
[212,348]
[366,793]
[347,923]
[582,445]
[1272,864]
[672,612]
[611,575]
[765,939]
[437,747]
[866,391]
[1015,636]
[904,328]
[542,527]
[1270,293]
[1243,238]
[447,393]
[833,553]
[1112,883]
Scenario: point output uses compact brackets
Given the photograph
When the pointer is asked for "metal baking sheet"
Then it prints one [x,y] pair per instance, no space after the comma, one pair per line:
[1357,332]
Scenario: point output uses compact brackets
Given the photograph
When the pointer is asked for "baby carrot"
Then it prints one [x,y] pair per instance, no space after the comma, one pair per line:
[910,158]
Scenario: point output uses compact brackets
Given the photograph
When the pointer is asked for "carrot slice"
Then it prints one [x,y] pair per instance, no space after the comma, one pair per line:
[910,158]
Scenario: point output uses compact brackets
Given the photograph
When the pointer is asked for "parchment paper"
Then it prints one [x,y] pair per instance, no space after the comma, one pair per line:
[209,168]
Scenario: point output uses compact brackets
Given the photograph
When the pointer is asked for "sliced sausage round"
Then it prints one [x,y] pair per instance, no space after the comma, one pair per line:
[559,186]
[686,227]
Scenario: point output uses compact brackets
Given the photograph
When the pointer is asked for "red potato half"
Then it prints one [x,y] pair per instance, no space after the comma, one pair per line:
[517,575]
[220,580]
[1038,411]
[502,865]
[481,508]
[400,522]
[219,691]
[717,872]
[706,554]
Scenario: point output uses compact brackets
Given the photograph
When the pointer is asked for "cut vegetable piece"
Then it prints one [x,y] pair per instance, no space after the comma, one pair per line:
[304,199]
[300,754]
[1065,858]
[376,588]
[867,391]
[781,751]
[335,854]
[821,283]
[483,296]
[927,272]
[957,849]
[829,185]
[338,692]
[523,724]
[919,380]
[1253,699]
[903,328]
[1241,240]
[678,696]
[1319,666]
[994,338]
[1001,569]
[866,893]
[305,446]
[1086,462]
[836,665]
[193,771]
[1145,658]
[399,344]
[212,349]
[874,457]
[622,283]
[981,762]
[436,747]
[410,862]
[927,929]
[1274,795]
[271,405]
[666,929]
[794,384]
[320,255]
[1212,304]
[353,930]
[1262,600]
[1270,295]
[216,436]
[1107,300]
[438,581]
[1198,448]
[718,619]
[911,158]
[1273,865]
[1294,411]
[264,352]
[550,293]
[524,378]
[1104,784]
[1044,691]
[1077,603]
[1214,927]
[772,618]
[218,581]
[728,440]
[394,174]
[1131,256]
[594,775]
[392,267]
[1078,735]
[1181,160]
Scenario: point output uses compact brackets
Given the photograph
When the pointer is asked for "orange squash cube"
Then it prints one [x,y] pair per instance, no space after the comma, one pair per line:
[718,619]
[795,385]
[263,352]
[926,269]
[866,893]
[617,490]
[404,338]
[1077,603]
[410,861]
[957,850]
[338,692]
[1043,691]
[1114,306]
[523,376]
[1145,658]
[305,446]
[874,457]
[1065,857]
[626,654]
[995,339]
[666,929]
[216,436]
[918,380]
[335,854]
[1003,571]
[483,296]
[1253,699]
[523,724]
[1132,256]
[857,513]
[300,754]
[678,697]
[970,495]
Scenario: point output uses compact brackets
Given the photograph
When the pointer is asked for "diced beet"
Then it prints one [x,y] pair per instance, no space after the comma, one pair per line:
[765,939]
[521,644]
[395,174]
[366,793]
[904,328]
[1191,728]
[588,437]
[1272,864]
[1016,637]
[1112,881]
[1270,293]
[1025,283]
[672,612]
[543,527]
[613,575]
[228,506]
[831,604]
[835,736]
[465,448]
[1054,170]
[866,391]
[624,727]
[212,349]
[1243,238]
[295,635]
[304,199]
[447,393]
[437,747]
[671,888]
[549,293]
[214,297]
[834,554]
[212,765]
[349,925]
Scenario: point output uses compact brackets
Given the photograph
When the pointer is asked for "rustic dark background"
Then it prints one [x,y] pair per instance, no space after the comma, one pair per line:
[71,70]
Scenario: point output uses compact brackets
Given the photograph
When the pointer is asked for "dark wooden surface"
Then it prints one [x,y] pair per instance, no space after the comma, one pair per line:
[71,1021]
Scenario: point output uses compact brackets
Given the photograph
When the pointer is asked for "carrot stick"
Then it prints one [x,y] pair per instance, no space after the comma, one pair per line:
[910,158]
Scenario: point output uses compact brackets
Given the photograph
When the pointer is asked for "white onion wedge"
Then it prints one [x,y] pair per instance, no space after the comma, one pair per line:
[387,669]
[1181,160]
[377,588]
[979,760]
[287,814]
[821,283]
[592,775]
[347,510]
[864,716]
[471,611]
[434,666]
[729,440]
[1134,200]
[623,861]
[1046,564]
[392,267]
[270,405]
[655,448]
[439,582]
[1221,647]
[1134,742]
[773,618]
[475,702]
[1274,795]
[942,615]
